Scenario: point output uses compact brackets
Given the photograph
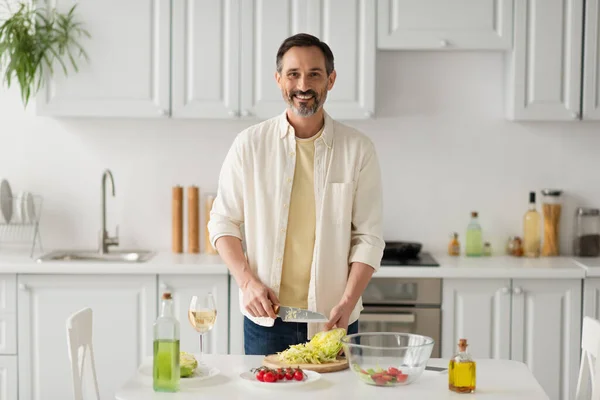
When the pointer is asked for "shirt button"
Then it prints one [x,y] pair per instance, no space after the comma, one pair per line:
[289,180]
[285,205]
[292,153]
[282,230]
[278,259]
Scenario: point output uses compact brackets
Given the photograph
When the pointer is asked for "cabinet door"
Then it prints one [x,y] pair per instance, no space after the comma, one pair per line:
[591,67]
[478,310]
[544,70]
[8,378]
[353,46]
[124,309]
[8,314]
[236,320]
[183,287]
[591,298]
[442,24]
[348,27]
[546,332]
[205,64]
[128,71]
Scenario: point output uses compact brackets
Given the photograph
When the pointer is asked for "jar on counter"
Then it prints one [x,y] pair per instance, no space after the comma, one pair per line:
[551,209]
[587,232]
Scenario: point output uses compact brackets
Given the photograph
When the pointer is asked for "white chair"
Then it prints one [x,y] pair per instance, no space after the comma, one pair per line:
[588,384]
[79,341]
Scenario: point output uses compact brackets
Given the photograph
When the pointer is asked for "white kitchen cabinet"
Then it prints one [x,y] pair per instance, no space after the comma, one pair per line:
[348,26]
[183,287]
[591,62]
[535,321]
[442,24]
[8,314]
[124,309]
[479,310]
[544,69]
[8,378]
[236,320]
[546,331]
[206,72]
[128,72]
[591,297]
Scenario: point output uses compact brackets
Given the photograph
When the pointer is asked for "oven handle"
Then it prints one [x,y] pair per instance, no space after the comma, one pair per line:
[402,318]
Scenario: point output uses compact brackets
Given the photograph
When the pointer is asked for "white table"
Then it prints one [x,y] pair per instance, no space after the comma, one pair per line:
[496,379]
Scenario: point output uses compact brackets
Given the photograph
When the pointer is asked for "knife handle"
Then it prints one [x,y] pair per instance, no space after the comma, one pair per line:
[276,308]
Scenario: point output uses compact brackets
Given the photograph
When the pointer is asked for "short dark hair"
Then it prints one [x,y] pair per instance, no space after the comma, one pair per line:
[305,40]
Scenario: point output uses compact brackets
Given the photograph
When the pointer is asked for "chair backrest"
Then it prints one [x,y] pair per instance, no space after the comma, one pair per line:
[79,341]
[588,384]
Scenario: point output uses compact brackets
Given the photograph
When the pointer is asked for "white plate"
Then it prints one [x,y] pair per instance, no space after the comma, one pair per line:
[6,202]
[311,376]
[28,207]
[201,373]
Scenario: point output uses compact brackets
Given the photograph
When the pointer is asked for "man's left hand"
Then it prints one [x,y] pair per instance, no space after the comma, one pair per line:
[339,317]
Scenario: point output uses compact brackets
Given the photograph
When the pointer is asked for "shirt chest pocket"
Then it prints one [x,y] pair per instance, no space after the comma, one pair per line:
[340,202]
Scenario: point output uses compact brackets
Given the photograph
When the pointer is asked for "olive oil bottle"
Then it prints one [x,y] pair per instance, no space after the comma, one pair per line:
[462,370]
[166,370]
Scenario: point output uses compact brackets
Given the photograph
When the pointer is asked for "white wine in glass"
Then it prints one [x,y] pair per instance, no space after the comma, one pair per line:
[202,315]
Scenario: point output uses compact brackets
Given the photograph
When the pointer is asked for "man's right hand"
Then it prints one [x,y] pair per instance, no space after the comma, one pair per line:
[259,299]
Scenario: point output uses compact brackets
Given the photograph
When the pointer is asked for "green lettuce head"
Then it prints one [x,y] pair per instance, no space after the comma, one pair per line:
[187,364]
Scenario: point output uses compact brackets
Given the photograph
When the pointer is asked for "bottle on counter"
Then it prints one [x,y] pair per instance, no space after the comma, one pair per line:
[462,370]
[454,245]
[531,229]
[474,245]
[487,249]
[166,368]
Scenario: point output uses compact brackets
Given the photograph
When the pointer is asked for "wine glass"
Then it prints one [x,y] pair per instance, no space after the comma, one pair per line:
[202,315]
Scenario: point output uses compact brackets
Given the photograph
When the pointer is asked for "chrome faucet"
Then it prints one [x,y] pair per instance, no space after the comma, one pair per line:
[105,239]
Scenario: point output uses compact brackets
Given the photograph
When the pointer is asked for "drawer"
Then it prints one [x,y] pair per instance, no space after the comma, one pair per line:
[8,334]
[9,381]
[8,294]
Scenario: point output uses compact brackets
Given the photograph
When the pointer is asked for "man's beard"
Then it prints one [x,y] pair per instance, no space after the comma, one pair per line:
[304,109]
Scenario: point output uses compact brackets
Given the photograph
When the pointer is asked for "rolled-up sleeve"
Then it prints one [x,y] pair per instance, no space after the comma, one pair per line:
[367,242]
[227,213]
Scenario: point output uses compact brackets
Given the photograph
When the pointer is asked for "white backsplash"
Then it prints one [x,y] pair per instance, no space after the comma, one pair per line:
[444,146]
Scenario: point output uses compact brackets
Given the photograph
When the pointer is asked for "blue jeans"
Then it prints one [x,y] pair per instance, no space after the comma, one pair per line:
[262,340]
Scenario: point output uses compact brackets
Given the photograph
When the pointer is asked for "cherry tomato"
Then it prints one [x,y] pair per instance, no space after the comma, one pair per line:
[298,375]
[270,377]
[401,377]
[260,375]
[289,376]
[393,371]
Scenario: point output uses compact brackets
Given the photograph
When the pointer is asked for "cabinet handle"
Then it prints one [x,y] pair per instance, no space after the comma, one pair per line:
[444,43]
[233,113]
[164,113]
[505,290]
[575,115]
[23,287]
[164,287]
[518,290]
[369,114]
[246,113]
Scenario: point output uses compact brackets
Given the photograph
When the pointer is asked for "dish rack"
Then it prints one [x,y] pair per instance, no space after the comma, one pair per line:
[23,227]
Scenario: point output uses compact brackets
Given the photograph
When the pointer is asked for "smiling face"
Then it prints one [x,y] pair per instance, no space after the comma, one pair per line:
[303,80]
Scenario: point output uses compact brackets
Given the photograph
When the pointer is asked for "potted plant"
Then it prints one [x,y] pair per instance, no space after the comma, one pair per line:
[33,41]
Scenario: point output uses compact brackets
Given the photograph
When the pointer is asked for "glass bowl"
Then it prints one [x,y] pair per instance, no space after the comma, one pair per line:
[387,359]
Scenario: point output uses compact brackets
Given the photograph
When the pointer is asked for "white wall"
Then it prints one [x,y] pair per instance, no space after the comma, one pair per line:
[444,146]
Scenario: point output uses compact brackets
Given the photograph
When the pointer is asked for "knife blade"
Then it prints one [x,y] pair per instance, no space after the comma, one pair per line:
[294,314]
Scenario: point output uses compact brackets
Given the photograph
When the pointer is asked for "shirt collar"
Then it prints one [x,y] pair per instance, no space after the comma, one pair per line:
[327,135]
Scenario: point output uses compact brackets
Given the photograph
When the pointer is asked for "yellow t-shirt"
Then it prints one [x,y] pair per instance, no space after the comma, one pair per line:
[300,237]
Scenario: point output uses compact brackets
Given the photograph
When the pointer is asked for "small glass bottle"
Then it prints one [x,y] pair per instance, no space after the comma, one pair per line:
[474,245]
[531,229]
[454,245]
[487,249]
[462,370]
[166,368]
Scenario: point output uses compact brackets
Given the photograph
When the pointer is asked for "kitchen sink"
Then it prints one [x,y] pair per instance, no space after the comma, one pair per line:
[129,256]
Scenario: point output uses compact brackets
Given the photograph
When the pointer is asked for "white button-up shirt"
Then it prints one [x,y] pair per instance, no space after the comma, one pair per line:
[255,186]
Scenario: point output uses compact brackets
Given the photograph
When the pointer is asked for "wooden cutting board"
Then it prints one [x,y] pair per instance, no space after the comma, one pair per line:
[272,361]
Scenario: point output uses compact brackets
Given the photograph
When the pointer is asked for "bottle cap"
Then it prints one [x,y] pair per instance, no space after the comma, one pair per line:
[166,296]
[532,197]
[474,214]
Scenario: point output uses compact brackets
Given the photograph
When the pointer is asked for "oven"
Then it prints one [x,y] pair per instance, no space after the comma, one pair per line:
[403,305]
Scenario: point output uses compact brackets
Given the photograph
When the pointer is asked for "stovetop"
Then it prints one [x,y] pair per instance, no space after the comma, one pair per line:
[423,259]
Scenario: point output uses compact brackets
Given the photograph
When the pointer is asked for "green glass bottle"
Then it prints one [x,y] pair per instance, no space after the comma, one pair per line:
[166,369]
[474,237]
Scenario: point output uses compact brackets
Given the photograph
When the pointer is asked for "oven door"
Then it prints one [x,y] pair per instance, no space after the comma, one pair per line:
[421,321]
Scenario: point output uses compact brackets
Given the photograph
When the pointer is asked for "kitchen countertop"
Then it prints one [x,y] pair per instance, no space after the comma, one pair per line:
[162,263]
[591,265]
[490,267]
[165,262]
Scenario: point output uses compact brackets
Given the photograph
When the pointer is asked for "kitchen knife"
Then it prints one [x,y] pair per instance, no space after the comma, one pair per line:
[294,314]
